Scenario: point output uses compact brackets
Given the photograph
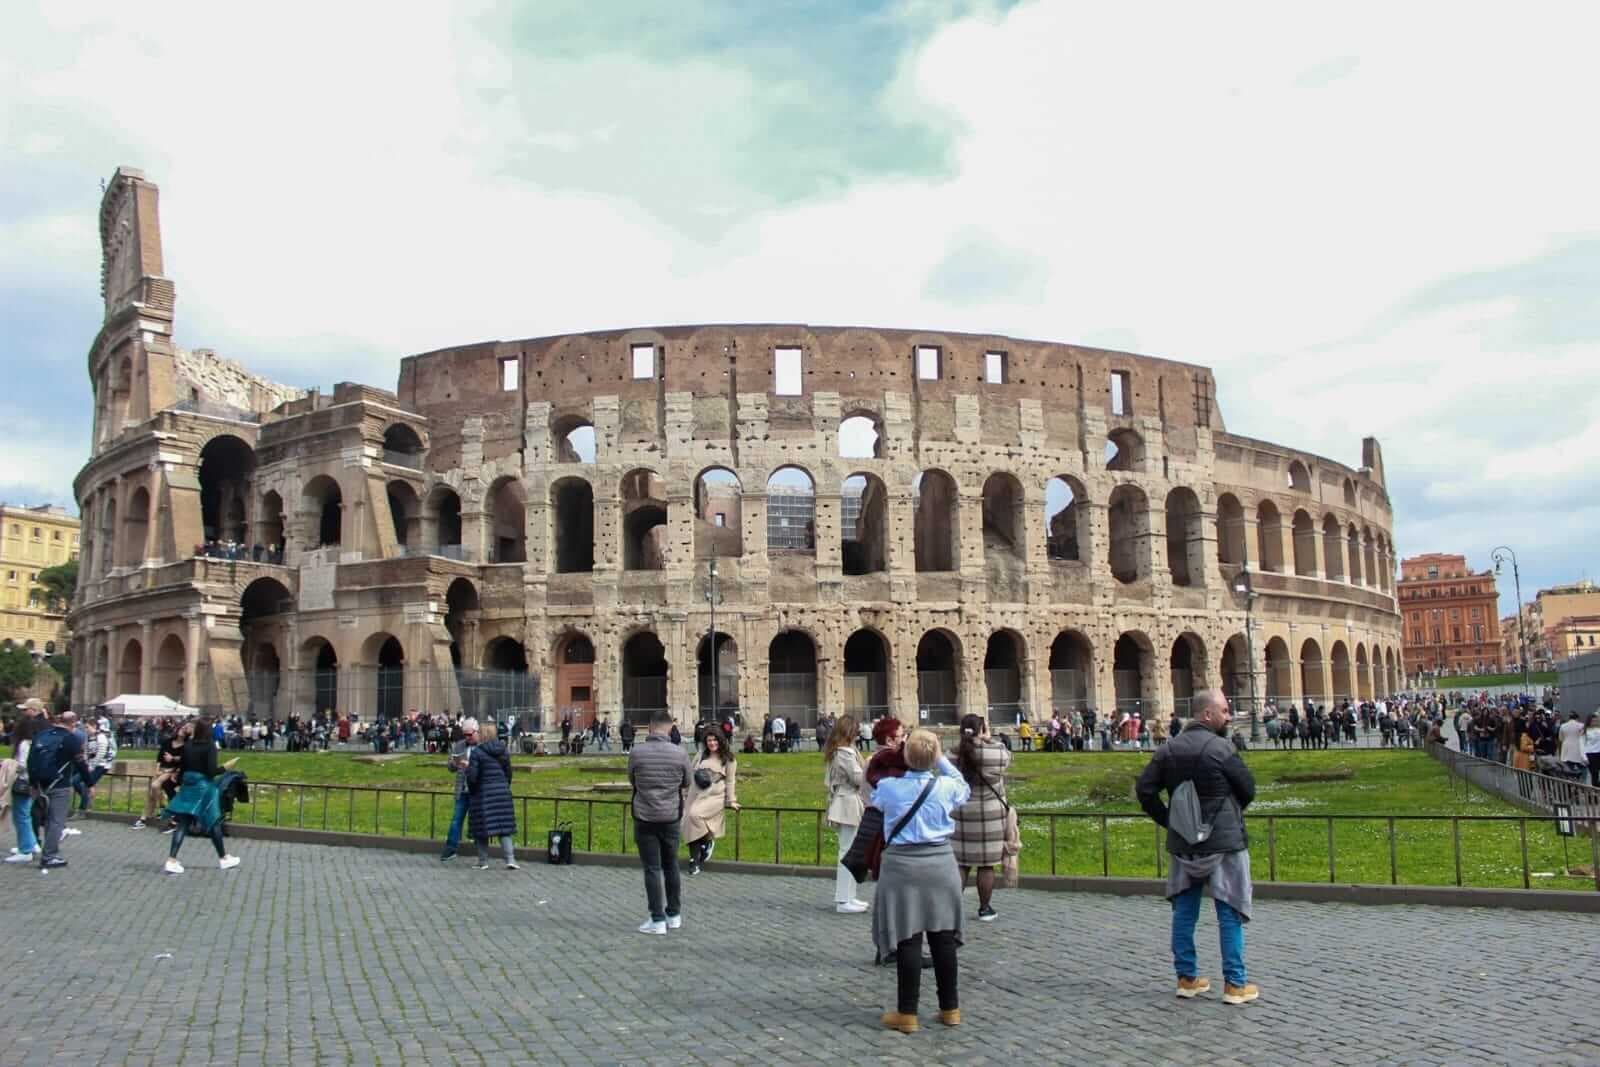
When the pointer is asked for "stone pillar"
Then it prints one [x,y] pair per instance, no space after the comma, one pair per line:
[111,663]
[147,655]
[192,660]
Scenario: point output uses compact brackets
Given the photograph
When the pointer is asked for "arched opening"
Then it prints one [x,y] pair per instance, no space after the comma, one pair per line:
[264,676]
[131,668]
[1002,515]
[1066,519]
[866,675]
[385,653]
[644,677]
[1002,677]
[1186,538]
[1269,537]
[1392,673]
[270,526]
[227,465]
[791,512]
[505,654]
[324,502]
[1299,479]
[1369,556]
[792,677]
[1305,545]
[644,521]
[108,538]
[1363,674]
[1188,667]
[461,613]
[1235,669]
[1313,679]
[1343,686]
[324,674]
[1124,451]
[860,438]
[136,528]
[863,525]
[441,519]
[572,522]
[402,446]
[1133,673]
[505,684]
[1332,549]
[260,605]
[717,669]
[1128,515]
[1230,530]
[1071,668]
[719,523]
[1354,540]
[122,396]
[937,529]
[938,678]
[1280,672]
[508,523]
[575,696]
[405,510]
[572,440]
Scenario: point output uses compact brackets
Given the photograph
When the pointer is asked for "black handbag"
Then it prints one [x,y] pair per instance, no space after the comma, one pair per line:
[559,847]
[702,778]
[870,829]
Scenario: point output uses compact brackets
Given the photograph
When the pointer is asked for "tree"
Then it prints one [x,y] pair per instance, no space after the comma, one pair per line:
[16,671]
[59,583]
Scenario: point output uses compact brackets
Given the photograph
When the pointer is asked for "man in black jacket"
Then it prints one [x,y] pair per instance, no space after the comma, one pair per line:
[1219,857]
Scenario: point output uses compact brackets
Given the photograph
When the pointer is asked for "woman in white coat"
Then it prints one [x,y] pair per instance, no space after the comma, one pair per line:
[712,790]
[845,779]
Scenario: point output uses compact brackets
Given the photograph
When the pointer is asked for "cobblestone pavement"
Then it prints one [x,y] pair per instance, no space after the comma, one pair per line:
[309,954]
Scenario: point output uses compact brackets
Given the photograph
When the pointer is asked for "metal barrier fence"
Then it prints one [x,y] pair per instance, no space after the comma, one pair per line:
[1580,683]
[371,692]
[1526,789]
[1437,850]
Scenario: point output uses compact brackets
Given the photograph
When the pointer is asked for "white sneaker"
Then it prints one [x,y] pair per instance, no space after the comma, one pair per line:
[173,867]
[71,831]
[674,922]
[19,857]
[650,926]
[228,863]
[850,907]
[138,824]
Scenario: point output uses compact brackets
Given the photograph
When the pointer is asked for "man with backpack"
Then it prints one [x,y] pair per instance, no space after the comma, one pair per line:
[54,757]
[1208,787]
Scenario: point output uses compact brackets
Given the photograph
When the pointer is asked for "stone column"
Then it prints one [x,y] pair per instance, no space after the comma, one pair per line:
[147,655]
[191,650]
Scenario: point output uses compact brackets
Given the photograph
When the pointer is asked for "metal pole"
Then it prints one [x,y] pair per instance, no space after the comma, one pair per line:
[1522,630]
[711,597]
[1250,651]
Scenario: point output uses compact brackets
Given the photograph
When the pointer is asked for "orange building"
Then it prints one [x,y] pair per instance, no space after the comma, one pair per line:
[1451,615]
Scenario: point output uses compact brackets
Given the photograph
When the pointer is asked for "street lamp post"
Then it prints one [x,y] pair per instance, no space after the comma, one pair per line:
[1250,648]
[1499,555]
[711,598]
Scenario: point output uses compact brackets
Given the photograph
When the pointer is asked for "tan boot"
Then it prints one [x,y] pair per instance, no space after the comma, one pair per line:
[951,1017]
[1193,987]
[1239,994]
[906,1024]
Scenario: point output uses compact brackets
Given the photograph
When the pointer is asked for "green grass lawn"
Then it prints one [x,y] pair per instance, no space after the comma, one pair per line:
[1078,812]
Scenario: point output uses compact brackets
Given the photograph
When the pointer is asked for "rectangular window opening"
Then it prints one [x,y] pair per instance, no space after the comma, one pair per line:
[927,363]
[644,362]
[1121,393]
[721,518]
[994,368]
[580,694]
[786,371]
[510,374]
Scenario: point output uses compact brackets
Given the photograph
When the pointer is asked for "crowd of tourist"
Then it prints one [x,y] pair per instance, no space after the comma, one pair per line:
[236,551]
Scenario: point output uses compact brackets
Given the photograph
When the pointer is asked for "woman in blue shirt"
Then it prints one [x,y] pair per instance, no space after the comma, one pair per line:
[919,886]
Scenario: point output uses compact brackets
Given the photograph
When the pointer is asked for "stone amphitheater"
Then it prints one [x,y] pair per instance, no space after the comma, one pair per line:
[763,517]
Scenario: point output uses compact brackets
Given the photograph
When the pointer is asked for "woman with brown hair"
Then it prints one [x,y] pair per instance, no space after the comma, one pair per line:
[980,835]
[712,790]
[844,778]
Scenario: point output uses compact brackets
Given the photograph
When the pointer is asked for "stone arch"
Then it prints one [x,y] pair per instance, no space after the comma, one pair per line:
[108,537]
[1124,450]
[939,689]
[644,520]
[644,676]
[791,511]
[1343,683]
[384,653]
[1269,537]
[1066,519]
[575,694]
[1369,557]
[1299,478]
[936,503]
[130,667]
[717,675]
[1354,540]
[1363,673]
[1187,663]
[402,445]
[505,653]
[405,511]
[269,523]
[1234,672]
[462,606]
[1133,673]
[1004,672]
[136,528]
[1313,676]
[323,500]
[718,514]
[1280,671]
[505,515]
[1128,515]
[323,658]
[1071,672]
[441,521]
[1230,530]
[861,435]
[1305,544]
[868,674]
[863,525]
[792,676]
[1186,537]
[1003,515]
[227,473]
[1332,549]
[572,439]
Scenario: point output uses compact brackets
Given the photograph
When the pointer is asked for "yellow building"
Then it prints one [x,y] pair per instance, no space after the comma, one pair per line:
[32,539]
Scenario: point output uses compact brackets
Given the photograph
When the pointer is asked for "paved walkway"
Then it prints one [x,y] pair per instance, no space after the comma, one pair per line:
[315,955]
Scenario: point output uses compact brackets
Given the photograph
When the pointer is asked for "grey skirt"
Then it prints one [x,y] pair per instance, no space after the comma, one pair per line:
[919,889]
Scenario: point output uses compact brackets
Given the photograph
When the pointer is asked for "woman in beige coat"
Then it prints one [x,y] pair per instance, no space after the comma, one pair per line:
[846,780]
[712,783]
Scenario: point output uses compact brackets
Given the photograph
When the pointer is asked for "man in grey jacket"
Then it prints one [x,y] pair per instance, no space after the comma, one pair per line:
[659,773]
[1221,858]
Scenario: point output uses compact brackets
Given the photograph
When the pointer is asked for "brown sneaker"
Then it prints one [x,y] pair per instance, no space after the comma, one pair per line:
[951,1017]
[1193,987]
[906,1024]
[1239,994]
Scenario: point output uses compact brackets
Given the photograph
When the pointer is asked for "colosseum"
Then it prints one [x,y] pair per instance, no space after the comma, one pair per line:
[778,518]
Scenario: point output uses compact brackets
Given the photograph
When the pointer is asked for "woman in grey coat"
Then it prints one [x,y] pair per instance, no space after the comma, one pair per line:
[490,809]
[980,835]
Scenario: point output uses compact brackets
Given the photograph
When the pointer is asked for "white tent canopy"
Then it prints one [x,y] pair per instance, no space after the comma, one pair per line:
[147,706]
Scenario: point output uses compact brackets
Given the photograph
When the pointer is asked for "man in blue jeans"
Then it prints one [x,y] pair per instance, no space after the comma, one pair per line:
[1218,854]
[460,752]
[659,773]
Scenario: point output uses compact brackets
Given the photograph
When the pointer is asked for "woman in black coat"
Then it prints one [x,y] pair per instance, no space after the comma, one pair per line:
[490,809]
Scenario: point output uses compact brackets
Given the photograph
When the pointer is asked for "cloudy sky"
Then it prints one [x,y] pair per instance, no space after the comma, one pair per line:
[1369,218]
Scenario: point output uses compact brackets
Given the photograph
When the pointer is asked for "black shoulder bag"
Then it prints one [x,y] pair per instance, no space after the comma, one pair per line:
[869,839]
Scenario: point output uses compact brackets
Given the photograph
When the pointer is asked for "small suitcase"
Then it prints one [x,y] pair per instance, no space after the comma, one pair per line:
[559,846]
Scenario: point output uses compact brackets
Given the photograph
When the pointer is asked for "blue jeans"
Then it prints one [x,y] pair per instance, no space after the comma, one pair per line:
[1230,925]
[22,822]
[452,839]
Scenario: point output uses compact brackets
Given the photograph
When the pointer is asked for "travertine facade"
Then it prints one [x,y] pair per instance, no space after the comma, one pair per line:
[1038,524]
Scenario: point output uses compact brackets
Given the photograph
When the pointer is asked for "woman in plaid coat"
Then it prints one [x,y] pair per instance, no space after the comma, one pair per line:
[981,822]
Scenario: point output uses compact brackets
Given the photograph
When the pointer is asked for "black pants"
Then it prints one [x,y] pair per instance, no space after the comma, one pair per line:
[658,853]
[185,824]
[908,970]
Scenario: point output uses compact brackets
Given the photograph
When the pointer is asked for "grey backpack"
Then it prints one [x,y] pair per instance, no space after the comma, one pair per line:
[1184,817]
